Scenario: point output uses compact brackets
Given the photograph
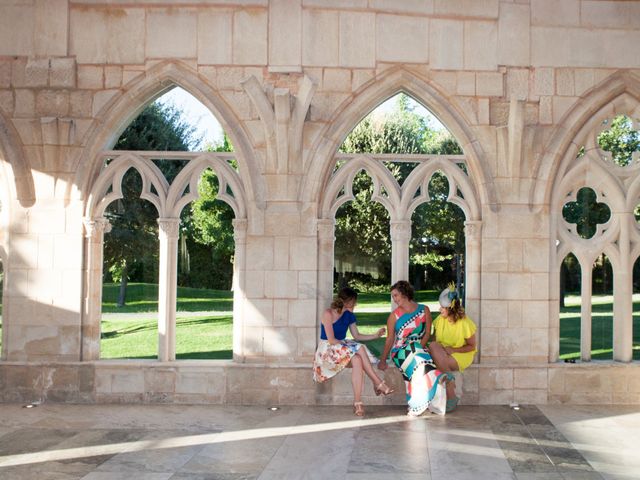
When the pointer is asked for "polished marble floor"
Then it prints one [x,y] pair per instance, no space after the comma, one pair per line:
[177,442]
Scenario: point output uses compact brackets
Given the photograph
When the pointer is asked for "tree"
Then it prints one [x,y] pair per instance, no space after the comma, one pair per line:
[132,243]
[621,140]
[362,226]
[210,225]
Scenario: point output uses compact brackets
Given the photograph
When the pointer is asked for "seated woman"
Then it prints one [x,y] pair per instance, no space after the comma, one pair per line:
[453,343]
[334,352]
[411,324]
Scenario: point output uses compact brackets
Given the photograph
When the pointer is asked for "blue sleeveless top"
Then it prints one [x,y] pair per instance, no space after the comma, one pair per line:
[340,326]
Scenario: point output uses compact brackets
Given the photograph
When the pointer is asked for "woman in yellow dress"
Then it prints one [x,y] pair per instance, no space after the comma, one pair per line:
[453,343]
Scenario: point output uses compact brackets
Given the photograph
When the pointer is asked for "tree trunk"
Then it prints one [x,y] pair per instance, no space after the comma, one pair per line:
[122,296]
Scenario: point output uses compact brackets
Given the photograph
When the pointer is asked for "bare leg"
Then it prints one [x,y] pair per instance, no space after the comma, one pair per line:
[357,379]
[367,367]
[445,363]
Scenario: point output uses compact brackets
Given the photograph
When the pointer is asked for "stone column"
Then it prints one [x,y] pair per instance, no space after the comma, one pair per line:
[326,241]
[167,288]
[400,238]
[585,311]
[623,299]
[472,267]
[238,287]
[92,310]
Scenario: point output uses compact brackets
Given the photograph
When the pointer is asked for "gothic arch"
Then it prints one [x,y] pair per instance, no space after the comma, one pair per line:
[614,95]
[15,167]
[319,161]
[121,110]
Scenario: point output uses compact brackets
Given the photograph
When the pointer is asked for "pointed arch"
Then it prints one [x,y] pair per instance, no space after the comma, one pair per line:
[16,167]
[616,94]
[320,159]
[123,108]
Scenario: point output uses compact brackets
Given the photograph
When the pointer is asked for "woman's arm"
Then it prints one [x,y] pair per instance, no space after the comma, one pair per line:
[327,322]
[388,343]
[361,337]
[428,322]
[469,346]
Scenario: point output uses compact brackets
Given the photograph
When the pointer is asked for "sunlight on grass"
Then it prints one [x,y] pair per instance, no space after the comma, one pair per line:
[208,335]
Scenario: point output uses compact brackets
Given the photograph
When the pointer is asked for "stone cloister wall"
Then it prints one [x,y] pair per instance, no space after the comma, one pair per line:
[521,84]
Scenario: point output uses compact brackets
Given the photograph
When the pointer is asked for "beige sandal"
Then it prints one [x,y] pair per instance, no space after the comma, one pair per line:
[358,409]
[383,389]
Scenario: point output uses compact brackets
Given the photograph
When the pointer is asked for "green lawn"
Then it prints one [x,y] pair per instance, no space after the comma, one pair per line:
[209,335]
[601,327]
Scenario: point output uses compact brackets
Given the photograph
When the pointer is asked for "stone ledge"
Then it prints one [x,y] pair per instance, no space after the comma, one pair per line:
[226,382]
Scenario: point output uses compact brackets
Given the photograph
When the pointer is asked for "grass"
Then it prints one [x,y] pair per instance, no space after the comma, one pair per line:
[209,335]
[601,328]
[196,337]
[143,297]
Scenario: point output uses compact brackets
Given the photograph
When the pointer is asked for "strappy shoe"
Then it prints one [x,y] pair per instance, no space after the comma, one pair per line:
[383,389]
[358,409]
[452,404]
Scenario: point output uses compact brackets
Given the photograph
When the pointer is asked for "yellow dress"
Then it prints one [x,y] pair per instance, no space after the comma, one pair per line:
[454,335]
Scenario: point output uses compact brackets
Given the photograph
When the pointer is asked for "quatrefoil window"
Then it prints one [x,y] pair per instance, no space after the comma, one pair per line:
[586,212]
[621,140]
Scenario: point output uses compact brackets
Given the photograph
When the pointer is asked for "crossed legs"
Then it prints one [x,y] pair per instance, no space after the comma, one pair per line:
[445,363]
[360,365]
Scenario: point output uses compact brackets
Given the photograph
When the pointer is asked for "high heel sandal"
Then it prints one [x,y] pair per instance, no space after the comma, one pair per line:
[358,409]
[383,389]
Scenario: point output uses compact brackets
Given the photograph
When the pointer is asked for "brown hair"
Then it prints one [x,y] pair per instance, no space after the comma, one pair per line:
[344,295]
[456,310]
[404,288]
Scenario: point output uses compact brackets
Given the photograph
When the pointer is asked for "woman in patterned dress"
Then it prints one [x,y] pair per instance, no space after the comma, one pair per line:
[335,352]
[411,324]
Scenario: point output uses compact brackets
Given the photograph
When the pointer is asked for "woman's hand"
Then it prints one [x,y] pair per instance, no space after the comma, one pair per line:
[449,350]
[382,365]
[381,332]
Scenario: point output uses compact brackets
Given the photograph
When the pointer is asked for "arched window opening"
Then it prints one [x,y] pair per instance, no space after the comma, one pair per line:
[570,304]
[437,241]
[204,320]
[381,175]
[129,327]
[174,269]
[636,310]
[602,309]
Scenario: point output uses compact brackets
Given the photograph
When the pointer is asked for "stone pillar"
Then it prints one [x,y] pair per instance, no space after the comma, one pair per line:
[238,287]
[585,311]
[326,241]
[472,268]
[167,288]
[400,238]
[623,300]
[92,311]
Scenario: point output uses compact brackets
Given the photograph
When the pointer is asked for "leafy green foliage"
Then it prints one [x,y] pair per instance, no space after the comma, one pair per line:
[362,226]
[621,140]
[131,248]
[586,212]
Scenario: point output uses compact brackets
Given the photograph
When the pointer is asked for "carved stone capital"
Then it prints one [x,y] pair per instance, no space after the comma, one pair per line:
[240,226]
[96,227]
[400,230]
[472,229]
[169,226]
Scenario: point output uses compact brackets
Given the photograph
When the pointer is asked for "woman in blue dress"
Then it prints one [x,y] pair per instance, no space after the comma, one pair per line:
[335,351]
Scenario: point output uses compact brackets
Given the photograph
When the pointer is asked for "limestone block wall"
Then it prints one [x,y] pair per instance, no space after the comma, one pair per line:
[515,81]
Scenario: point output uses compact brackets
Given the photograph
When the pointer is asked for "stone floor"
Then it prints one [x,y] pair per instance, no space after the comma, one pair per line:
[160,442]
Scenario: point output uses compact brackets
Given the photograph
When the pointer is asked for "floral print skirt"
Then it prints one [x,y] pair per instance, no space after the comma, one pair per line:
[332,359]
